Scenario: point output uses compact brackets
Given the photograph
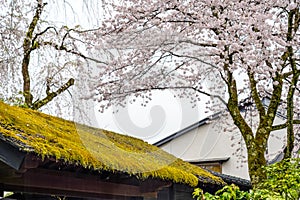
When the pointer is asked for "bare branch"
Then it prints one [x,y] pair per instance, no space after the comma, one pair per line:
[197,43]
[194,58]
[284,125]
[71,51]
[51,95]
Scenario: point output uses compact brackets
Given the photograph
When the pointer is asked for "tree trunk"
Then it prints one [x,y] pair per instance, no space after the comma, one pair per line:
[28,48]
[256,160]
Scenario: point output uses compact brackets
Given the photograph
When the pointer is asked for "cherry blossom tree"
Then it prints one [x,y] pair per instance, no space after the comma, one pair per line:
[40,57]
[248,50]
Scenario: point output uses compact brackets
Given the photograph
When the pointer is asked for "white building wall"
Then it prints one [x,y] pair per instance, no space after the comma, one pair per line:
[209,142]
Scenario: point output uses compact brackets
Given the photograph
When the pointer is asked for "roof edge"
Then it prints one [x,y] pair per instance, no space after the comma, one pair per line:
[186,129]
[210,160]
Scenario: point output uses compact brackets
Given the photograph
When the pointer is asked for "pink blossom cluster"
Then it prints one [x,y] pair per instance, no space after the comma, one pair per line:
[183,45]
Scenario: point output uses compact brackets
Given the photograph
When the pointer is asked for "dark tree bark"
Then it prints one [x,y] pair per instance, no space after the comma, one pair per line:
[28,48]
[30,44]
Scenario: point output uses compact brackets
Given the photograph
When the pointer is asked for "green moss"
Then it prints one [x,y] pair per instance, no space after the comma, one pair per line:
[93,148]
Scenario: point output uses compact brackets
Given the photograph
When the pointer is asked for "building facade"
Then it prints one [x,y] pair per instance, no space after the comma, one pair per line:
[215,145]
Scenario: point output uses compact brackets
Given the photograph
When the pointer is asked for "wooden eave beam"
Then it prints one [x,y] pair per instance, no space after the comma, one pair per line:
[32,178]
[62,181]
[48,192]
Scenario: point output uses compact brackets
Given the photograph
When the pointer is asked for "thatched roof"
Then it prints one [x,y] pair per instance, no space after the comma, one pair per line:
[95,149]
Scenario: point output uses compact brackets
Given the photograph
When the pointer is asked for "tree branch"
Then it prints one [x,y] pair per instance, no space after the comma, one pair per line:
[63,48]
[284,125]
[197,43]
[275,99]
[51,95]
[255,95]
[192,57]
[125,93]
[279,127]
[35,45]
[233,108]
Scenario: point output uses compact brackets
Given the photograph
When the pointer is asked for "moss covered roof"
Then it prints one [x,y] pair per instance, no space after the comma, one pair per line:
[92,148]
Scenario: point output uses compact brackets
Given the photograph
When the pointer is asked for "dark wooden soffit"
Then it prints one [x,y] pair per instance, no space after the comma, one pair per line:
[33,177]
[10,155]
